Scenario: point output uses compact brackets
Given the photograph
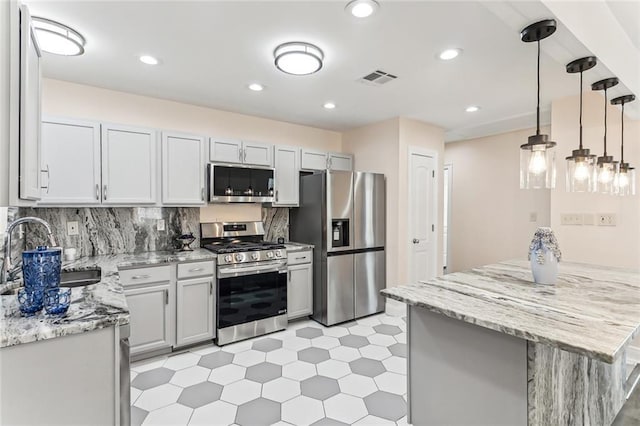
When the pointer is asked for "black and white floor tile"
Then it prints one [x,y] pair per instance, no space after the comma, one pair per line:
[353,373]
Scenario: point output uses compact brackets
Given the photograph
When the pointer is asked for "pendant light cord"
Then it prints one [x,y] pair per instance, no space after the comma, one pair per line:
[622,135]
[538,104]
[581,110]
[605,121]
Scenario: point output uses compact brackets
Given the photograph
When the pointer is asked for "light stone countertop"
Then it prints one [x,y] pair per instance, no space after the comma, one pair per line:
[293,247]
[592,310]
[92,307]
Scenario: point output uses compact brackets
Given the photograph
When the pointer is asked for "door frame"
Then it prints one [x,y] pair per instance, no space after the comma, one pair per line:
[415,150]
[448,166]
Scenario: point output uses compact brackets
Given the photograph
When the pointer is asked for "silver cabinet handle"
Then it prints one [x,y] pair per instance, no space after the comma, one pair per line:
[166,297]
[202,193]
[244,155]
[415,241]
[277,195]
[46,170]
[140,277]
[97,192]
[104,192]
[240,155]
[210,287]
[196,269]
[301,258]
[289,275]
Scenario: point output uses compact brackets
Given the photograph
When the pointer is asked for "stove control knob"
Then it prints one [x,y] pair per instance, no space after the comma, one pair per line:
[270,254]
[239,257]
[228,258]
[278,253]
[255,256]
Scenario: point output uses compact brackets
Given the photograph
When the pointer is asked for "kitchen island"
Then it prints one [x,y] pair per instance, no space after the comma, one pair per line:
[490,347]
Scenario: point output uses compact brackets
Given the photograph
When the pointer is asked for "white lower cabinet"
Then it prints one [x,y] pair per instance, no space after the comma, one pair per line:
[300,285]
[149,317]
[195,303]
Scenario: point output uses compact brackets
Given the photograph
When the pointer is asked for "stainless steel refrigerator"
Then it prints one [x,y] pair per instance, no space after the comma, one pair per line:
[343,215]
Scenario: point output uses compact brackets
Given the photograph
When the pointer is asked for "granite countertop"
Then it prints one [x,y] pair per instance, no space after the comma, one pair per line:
[592,310]
[293,246]
[92,307]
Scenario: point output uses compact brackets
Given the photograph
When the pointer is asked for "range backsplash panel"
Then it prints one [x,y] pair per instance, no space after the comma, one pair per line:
[276,223]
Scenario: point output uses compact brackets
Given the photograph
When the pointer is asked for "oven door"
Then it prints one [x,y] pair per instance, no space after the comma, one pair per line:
[250,293]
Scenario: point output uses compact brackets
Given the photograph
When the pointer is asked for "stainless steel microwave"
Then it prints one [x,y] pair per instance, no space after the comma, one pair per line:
[229,184]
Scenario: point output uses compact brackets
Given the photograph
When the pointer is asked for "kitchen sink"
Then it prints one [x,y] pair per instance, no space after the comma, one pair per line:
[80,278]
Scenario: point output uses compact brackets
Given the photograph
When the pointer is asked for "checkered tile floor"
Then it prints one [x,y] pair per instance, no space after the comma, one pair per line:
[353,373]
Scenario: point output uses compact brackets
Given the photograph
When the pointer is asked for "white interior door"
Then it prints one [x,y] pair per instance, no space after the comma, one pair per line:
[422,216]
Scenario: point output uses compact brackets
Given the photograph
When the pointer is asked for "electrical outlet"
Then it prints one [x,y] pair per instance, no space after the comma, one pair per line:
[533,217]
[160,224]
[588,219]
[72,228]
[570,219]
[607,219]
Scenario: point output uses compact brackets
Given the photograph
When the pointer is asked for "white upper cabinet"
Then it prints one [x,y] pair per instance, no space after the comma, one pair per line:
[240,152]
[128,165]
[225,150]
[287,176]
[71,162]
[30,81]
[318,160]
[339,161]
[183,168]
[313,160]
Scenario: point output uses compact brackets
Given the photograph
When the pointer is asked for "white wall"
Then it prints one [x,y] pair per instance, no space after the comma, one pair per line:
[61,98]
[490,214]
[611,246]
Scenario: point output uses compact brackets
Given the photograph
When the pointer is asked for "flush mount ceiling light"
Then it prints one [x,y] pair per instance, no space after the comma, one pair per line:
[298,58]
[472,108]
[537,156]
[606,167]
[625,180]
[362,8]
[256,87]
[149,60]
[329,105]
[57,38]
[581,165]
[448,54]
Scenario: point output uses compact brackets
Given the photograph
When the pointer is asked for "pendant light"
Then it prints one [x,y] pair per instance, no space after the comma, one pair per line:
[581,165]
[537,156]
[625,180]
[606,167]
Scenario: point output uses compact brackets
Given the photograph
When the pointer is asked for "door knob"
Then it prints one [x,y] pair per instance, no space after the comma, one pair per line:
[415,241]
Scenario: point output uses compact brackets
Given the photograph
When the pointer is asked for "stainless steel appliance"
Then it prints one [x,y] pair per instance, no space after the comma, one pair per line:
[251,279]
[234,184]
[343,215]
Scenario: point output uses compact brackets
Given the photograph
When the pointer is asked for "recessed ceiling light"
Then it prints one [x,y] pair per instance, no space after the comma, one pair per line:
[149,60]
[362,8]
[298,58]
[256,87]
[472,108]
[449,54]
[329,105]
[57,38]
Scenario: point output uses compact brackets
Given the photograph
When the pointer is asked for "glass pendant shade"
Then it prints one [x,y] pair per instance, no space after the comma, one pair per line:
[607,169]
[581,172]
[538,163]
[625,180]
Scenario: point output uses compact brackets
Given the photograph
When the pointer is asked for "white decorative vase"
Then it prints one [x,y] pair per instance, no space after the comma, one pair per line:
[544,255]
[546,273]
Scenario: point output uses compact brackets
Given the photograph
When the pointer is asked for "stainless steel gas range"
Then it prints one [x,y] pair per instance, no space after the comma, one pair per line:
[251,279]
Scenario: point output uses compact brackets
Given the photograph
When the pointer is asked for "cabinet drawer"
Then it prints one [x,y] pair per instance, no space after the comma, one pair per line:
[299,257]
[129,277]
[196,269]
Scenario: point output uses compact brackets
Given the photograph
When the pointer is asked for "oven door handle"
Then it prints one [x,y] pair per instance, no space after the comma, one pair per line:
[253,270]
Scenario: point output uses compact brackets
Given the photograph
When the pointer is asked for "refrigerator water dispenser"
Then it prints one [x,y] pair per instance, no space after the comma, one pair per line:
[339,233]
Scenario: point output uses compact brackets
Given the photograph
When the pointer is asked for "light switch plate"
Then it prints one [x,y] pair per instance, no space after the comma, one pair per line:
[160,224]
[571,219]
[606,219]
[72,228]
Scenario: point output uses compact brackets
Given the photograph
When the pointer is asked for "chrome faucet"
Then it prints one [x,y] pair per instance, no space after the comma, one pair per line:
[7,271]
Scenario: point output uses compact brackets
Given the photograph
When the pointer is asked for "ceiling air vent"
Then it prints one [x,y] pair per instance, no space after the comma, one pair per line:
[378,77]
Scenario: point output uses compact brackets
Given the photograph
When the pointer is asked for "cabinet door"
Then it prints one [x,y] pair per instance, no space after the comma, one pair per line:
[128,165]
[30,80]
[341,162]
[287,176]
[182,169]
[300,291]
[194,311]
[313,160]
[149,317]
[225,150]
[257,154]
[71,160]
